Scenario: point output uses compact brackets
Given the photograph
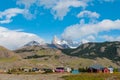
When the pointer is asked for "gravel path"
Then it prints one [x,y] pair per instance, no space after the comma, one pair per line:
[32,77]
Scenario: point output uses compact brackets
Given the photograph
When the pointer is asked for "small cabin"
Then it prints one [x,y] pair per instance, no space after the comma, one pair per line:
[75,71]
[97,68]
[26,70]
[68,69]
[2,71]
[111,69]
[60,69]
[47,70]
[106,70]
[35,69]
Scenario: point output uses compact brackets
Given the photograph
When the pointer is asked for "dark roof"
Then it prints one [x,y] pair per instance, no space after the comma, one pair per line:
[60,68]
[96,66]
[110,66]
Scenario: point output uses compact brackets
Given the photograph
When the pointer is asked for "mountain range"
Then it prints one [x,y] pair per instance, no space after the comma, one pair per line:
[34,54]
[92,50]
[56,43]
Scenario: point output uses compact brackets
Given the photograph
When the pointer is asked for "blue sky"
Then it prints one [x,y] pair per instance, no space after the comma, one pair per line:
[79,20]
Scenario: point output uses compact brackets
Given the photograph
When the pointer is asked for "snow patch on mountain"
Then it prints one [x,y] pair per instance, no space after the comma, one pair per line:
[32,43]
[56,43]
[65,43]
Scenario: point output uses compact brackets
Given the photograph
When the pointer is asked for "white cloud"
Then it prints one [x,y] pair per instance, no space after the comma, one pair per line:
[79,31]
[28,15]
[88,14]
[13,39]
[110,38]
[26,3]
[92,16]
[7,15]
[63,7]
[84,41]
[47,4]
[106,0]
[59,8]
[90,37]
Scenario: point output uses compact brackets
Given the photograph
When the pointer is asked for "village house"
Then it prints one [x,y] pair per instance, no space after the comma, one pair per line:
[47,70]
[97,68]
[26,70]
[60,69]
[75,71]
[2,71]
[35,69]
[111,69]
[106,70]
[68,69]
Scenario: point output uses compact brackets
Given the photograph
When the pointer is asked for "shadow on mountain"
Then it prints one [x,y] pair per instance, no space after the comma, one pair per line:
[37,56]
[110,50]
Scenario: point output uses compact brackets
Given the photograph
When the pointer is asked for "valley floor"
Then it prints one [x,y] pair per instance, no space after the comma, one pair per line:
[60,76]
[93,76]
[32,77]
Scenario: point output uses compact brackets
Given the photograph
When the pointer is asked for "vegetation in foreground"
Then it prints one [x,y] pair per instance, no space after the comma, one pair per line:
[93,76]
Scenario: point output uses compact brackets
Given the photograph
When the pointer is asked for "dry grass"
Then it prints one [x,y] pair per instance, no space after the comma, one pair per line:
[31,77]
[12,59]
[93,76]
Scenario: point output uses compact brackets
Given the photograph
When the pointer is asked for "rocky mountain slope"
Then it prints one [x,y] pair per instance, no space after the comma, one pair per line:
[106,53]
[8,58]
[109,50]
[5,53]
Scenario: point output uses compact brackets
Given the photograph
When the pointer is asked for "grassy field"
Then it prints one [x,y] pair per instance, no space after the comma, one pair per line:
[93,76]
[12,59]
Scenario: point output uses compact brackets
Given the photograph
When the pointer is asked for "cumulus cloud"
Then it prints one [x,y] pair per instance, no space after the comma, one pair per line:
[110,38]
[90,37]
[79,31]
[59,8]
[92,16]
[47,4]
[26,3]
[88,14]
[13,39]
[63,7]
[7,15]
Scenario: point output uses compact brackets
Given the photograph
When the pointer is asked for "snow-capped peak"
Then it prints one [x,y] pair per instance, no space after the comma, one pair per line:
[65,43]
[56,40]
[32,43]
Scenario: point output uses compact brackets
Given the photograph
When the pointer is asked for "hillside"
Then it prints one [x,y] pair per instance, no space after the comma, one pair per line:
[52,57]
[8,58]
[109,50]
[35,50]
[5,53]
[106,53]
